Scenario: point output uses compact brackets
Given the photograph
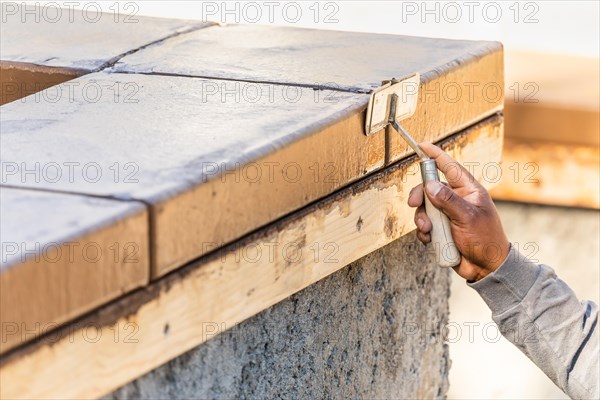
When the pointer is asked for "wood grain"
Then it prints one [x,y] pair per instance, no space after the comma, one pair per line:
[186,308]
[63,255]
[463,96]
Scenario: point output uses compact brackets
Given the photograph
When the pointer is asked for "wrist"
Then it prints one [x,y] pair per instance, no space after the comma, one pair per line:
[493,262]
[496,261]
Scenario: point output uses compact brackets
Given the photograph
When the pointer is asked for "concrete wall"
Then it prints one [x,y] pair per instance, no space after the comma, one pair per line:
[370,330]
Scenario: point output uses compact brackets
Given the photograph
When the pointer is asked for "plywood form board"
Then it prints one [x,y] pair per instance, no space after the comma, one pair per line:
[567,81]
[553,173]
[64,255]
[462,81]
[551,156]
[20,80]
[212,170]
[552,124]
[184,309]
[558,103]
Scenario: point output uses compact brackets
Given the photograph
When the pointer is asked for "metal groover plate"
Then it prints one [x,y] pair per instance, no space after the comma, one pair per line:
[378,111]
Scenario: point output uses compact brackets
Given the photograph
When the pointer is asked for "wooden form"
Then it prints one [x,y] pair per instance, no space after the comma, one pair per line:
[18,80]
[550,173]
[184,309]
[173,151]
[63,255]
[552,153]
[41,50]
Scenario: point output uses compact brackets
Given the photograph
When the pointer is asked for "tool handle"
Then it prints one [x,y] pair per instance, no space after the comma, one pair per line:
[441,237]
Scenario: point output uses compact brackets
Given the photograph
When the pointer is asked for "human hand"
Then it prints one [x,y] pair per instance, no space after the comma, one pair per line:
[474,220]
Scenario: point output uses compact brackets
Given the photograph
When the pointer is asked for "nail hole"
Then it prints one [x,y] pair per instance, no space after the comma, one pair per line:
[359,224]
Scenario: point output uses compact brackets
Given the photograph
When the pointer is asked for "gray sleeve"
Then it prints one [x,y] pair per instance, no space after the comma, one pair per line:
[542,316]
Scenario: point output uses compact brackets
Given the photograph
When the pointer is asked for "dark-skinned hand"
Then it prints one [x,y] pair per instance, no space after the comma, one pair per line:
[474,220]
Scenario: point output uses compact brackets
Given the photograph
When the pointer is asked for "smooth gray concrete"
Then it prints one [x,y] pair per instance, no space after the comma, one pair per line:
[85,39]
[370,330]
[349,61]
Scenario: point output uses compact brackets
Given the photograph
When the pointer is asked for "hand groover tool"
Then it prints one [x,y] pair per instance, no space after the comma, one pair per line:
[395,101]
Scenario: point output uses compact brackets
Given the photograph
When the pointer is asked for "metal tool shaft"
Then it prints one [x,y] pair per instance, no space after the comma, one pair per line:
[411,142]
[441,231]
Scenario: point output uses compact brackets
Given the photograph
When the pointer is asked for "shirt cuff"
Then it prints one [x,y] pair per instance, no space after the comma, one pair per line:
[506,287]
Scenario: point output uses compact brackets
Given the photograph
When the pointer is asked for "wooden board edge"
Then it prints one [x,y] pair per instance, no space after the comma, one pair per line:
[32,292]
[547,122]
[334,155]
[343,145]
[18,80]
[464,96]
[551,173]
[140,332]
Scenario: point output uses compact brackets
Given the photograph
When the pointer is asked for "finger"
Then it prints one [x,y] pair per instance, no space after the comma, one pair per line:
[415,197]
[451,204]
[424,237]
[422,220]
[455,173]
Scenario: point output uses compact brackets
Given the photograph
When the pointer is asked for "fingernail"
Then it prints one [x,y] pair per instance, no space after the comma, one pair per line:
[420,223]
[433,187]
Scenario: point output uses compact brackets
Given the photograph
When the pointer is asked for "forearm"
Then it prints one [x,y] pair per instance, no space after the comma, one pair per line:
[542,316]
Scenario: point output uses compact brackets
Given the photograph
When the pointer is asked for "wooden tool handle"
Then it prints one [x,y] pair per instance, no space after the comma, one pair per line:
[446,252]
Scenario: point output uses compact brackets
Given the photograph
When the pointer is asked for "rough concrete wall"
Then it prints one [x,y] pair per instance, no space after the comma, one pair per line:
[370,330]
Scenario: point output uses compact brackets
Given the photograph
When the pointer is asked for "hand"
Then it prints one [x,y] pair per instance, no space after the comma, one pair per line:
[474,220]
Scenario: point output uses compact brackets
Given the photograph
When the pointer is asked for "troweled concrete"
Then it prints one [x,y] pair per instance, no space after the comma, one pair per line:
[85,39]
[349,61]
[370,330]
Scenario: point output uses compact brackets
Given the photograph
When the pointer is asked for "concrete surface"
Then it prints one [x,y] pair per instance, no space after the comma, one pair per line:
[370,330]
[287,55]
[565,239]
[86,40]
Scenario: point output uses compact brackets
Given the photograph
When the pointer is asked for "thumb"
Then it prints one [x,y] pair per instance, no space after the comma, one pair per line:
[446,199]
